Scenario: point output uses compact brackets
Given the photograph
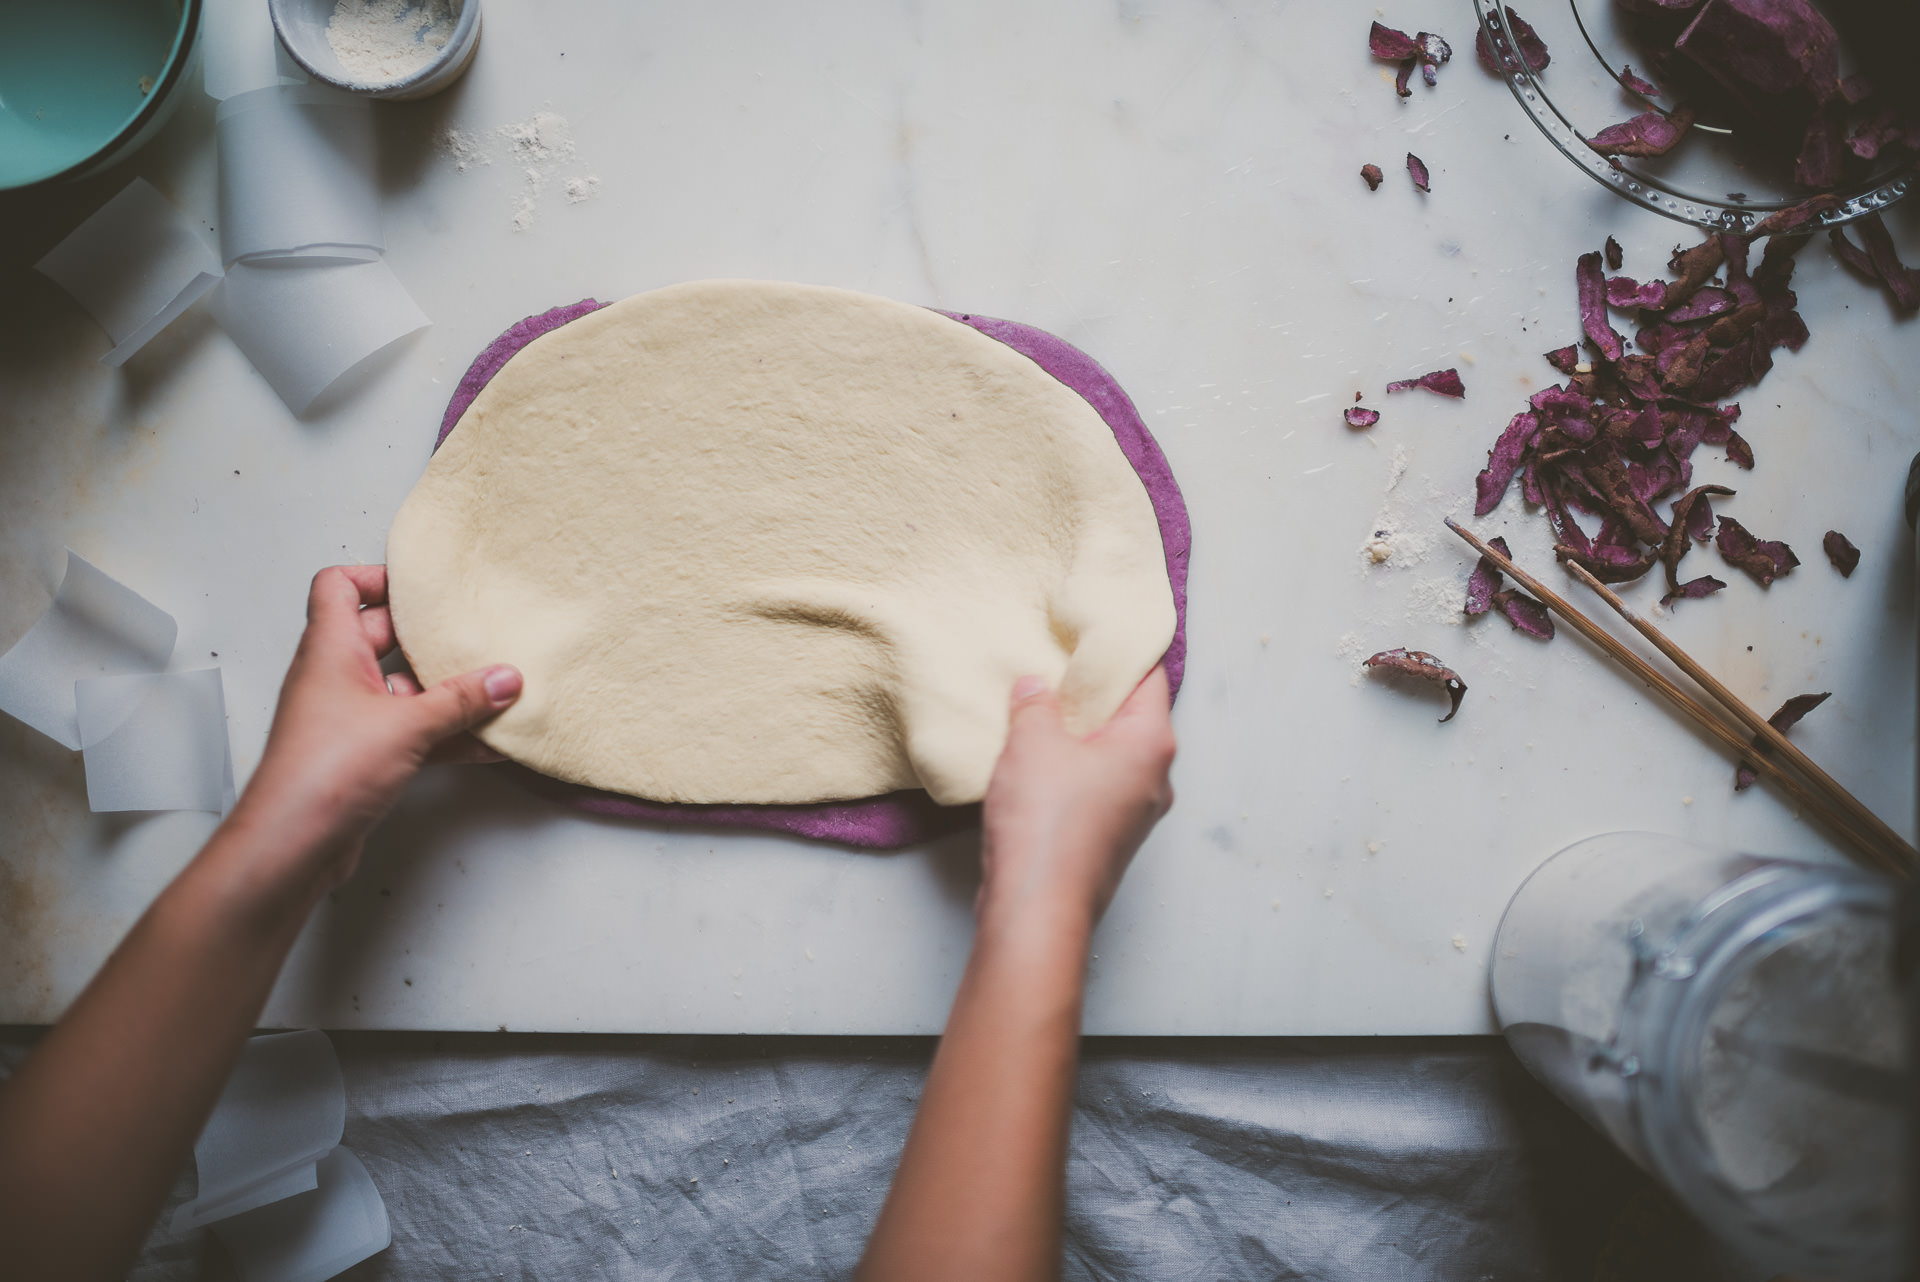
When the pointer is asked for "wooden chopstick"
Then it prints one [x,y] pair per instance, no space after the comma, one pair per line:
[1729,737]
[1821,780]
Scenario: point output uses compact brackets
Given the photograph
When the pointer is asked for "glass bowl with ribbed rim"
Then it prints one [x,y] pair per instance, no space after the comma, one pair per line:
[1718,178]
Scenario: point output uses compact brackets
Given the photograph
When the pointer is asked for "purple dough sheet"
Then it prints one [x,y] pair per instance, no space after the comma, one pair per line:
[899,818]
[499,352]
[1083,374]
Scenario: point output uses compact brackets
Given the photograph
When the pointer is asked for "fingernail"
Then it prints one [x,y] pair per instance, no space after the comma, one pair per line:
[503,685]
[1027,687]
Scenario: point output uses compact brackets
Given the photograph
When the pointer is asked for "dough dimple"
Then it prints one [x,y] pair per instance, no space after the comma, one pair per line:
[772,543]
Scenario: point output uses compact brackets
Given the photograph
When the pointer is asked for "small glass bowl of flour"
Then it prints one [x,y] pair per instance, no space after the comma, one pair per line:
[381,48]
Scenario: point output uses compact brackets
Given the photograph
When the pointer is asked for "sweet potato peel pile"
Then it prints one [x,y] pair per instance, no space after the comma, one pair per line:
[1607,455]
[1616,439]
[1772,69]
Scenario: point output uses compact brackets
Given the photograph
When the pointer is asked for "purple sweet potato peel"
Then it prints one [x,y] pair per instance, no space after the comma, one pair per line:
[1840,550]
[1785,717]
[1524,613]
[1651,133]
[1425,51]
[900,818]
[1485,579]
[1879,261]
[1389,45]
[1503,460]
[1624,292]
[1592,285]
[1418,663]
[1441,382]
[1638,83]
[1530,48]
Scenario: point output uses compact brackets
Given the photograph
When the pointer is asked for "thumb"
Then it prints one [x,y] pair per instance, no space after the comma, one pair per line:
[1147,709]
[463,702]
[1035,710]
[1144,722]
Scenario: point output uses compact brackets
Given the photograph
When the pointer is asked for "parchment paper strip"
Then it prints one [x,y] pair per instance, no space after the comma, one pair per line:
[155,741]
[240,50]
[135,265]
[95,626]
[315,1235]
[303,326]
[297,176]
[282,1111]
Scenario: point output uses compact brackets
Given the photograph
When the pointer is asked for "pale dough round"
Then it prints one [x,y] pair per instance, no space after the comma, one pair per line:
[774,543]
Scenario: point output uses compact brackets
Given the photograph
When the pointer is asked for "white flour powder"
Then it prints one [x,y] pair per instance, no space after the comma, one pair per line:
[464,149]
[542,138]
[380,41]
[535,146]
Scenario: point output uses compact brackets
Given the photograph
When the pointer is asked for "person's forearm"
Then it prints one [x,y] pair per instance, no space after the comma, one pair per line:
[980,1192]
[97,1121]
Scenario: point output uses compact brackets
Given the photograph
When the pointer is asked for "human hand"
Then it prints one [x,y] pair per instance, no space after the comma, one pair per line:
[1064,815]
[346,738]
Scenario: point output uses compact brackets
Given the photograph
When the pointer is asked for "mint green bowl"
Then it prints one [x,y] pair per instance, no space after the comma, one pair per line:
[85,82]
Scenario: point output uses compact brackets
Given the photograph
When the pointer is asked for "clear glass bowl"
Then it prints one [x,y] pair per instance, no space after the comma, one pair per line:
[1715,178]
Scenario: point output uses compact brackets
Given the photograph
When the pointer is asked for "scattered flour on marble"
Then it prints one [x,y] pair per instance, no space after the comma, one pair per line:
[1399,537]
[527,204]
[536,147]
[381,41]
[1353,651]
[463,149]
[540,139]
[1437,599]
[536,144]
[1407,556]
[1397,468]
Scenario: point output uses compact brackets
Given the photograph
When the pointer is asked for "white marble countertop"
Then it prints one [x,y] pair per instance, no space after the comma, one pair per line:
[1173,188]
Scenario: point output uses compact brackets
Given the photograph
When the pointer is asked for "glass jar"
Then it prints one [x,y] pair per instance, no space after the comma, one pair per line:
[1733,1024]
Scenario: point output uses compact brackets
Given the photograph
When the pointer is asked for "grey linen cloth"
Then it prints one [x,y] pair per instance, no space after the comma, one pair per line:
[558,1157]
